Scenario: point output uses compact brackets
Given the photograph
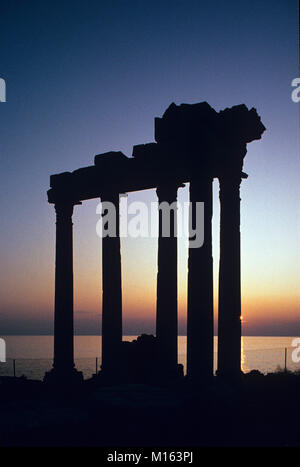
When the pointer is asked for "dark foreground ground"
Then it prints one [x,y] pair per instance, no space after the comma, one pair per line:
[261,411]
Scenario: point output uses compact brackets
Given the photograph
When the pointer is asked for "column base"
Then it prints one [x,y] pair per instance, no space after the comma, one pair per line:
[60,377]
[229,376]
[157,377]
[169,373]
[200,379]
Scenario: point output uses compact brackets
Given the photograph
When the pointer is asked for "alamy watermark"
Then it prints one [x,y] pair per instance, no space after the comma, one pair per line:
[296,352]
[296,92]
[2,90]
[139,219]
[2,351]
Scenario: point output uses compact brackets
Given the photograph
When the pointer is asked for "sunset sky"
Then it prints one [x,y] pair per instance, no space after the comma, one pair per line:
[86,77]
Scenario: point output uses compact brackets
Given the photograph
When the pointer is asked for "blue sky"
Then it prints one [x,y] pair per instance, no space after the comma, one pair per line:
[85,77]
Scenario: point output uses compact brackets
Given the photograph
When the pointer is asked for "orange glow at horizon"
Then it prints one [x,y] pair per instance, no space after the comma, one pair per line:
[269,294]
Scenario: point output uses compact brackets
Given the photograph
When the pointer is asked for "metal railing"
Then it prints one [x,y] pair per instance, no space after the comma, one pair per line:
[264,360]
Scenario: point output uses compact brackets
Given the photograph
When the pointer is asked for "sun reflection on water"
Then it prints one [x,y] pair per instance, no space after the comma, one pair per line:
[243,357]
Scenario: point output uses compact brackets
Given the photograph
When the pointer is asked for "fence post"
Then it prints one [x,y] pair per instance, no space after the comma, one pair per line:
[285,358]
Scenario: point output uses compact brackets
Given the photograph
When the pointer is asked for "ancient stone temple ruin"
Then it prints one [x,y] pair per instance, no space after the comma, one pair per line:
[195,144]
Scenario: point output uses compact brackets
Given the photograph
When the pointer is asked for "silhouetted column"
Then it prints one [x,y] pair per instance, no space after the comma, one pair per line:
[229,320]
[166,311]
[111,294]
[200,289]
[63,365]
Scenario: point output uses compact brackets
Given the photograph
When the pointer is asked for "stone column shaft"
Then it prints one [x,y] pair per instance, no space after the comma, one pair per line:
[63,318]
[229,320]
[166,312]
[111,295]
[200,333]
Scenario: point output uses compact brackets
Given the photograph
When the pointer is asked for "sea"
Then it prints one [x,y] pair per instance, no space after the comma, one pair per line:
[32,356]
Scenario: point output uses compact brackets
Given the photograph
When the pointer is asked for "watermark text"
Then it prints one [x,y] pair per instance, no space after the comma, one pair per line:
[296,92]
[296,352]
[2,351]
[139,219]
[2,90]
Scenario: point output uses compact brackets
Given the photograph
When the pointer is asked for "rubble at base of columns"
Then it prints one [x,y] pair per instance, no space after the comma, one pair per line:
[55,377]
[140,363]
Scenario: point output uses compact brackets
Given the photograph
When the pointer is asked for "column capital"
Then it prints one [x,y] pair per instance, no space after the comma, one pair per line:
[168,191]
[64,211]
[233,176]
[231,181]
[64,208]
[202,177]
